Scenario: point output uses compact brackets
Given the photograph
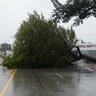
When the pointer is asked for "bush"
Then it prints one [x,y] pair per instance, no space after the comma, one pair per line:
[41,43]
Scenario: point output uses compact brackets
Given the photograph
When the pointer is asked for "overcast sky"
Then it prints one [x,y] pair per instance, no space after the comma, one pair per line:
[12,12]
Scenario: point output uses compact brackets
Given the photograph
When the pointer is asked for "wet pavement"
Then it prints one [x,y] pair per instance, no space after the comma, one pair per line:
[4,76]
[48,82]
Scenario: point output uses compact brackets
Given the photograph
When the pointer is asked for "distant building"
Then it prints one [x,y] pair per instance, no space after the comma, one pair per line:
[87,48]
[3,54]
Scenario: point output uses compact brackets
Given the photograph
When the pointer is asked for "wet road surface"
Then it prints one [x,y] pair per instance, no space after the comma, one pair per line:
[4,76]
[48,82]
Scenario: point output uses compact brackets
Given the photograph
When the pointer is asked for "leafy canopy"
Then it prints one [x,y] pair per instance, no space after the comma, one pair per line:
[5,46]
[40,43]
[79,9]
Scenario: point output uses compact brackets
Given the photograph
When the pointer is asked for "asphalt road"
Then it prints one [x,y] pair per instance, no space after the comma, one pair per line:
[46,82]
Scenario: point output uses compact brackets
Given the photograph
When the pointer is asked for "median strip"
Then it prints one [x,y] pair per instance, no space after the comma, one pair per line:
[13,72]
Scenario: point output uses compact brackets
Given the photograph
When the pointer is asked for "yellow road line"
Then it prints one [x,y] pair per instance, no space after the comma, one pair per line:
[8,82]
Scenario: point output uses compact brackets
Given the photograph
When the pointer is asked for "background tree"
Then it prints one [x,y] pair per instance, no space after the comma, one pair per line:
[41,44]
[79,9]
[5,47]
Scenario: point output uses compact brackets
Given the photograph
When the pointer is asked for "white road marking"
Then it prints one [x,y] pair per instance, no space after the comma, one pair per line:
[59,75]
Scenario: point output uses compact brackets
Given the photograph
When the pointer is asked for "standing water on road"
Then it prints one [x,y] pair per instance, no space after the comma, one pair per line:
[52,82]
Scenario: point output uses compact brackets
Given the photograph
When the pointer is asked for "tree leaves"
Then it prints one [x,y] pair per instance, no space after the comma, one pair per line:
[80,9]
[40,43]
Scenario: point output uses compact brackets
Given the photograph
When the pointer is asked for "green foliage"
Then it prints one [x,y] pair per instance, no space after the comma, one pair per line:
[4,47]
[80,9]
[41,44]
[8,62]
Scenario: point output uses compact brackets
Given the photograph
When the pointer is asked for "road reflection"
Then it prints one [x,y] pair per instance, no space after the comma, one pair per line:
[4,76]
[52,82]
